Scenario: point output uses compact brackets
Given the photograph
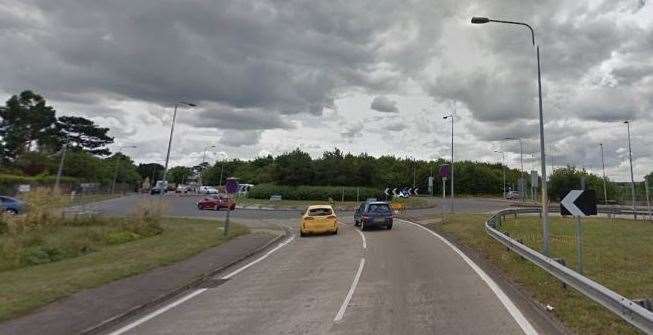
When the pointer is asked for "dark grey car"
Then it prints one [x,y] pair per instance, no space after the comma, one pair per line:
[374,214]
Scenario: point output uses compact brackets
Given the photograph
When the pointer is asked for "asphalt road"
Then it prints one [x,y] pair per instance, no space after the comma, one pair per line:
[402,281]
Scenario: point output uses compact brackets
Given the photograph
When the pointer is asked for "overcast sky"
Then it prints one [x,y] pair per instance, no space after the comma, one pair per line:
[364,76]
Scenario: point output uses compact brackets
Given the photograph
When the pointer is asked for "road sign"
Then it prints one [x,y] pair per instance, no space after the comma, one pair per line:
[394,191]
[444,171]
[415,190]
[578,203]
[387,190]
[535,178]
[231,185]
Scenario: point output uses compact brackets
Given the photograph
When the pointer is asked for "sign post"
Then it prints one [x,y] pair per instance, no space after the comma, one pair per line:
[231,186]
[578,203]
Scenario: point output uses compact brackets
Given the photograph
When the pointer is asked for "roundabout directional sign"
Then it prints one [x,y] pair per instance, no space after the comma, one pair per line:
[578,203]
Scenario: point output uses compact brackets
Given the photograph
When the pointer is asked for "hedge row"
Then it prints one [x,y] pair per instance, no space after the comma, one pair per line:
[264,191]
[9,183]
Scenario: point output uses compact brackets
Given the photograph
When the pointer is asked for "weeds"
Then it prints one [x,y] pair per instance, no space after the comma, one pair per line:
[44,234]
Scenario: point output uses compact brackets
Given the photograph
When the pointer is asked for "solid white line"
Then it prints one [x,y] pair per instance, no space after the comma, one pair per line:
[194,293]
[237,271]
[505,300]
[362,237]
[156,313]
[343,307]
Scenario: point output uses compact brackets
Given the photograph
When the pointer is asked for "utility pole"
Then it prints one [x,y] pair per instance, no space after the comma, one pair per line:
[605,187]
[60,170]
[452,162]
[632,177]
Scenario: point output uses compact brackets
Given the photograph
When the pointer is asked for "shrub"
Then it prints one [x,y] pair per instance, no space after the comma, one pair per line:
[121,236]
[41,255]
[146,218]
[264,191]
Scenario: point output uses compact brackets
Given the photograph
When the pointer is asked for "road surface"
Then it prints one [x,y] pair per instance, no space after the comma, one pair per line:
[403,281]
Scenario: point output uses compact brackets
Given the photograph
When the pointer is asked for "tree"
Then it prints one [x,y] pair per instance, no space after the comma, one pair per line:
[649,179]
[84,134]
[27,124]
[152,171]
[179,174]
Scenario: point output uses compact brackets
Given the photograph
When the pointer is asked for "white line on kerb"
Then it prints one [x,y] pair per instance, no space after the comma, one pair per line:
[343,307]
[195,293]
[362,237]
[505,300]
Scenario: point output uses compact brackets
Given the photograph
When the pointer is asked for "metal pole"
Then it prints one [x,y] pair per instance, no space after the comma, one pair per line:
[605,188]
[60,170]
[632,178]
[226,222]
[545,197]
[172,130]
[522,182]
[221,170]
[579,245]
[648,200]
[115,176]
[452,168]
[503,168]
[414,168]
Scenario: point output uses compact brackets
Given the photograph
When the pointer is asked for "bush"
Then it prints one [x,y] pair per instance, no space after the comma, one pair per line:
[121,236]
[264,191]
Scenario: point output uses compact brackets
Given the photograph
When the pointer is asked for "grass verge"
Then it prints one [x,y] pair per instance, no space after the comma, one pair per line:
[616,255]
[27,288]
[415,202]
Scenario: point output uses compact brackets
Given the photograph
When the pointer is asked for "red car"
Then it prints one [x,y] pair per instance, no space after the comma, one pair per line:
[216,202]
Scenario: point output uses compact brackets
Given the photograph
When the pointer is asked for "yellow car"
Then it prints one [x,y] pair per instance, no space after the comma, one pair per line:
[318,219]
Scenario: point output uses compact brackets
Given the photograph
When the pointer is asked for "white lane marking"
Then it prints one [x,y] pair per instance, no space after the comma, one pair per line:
[237,271]
[195,293]
[157,313]
[362,237]
[343,307]
[505,300]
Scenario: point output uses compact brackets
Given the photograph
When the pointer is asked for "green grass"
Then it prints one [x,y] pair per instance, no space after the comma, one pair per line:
[27,288]
[83,199]
[616,255]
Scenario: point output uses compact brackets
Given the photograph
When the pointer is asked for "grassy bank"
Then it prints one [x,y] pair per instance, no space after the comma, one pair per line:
[616,255]
[29,287]
[414,202]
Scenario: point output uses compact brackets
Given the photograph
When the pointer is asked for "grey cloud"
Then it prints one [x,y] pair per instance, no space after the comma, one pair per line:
[221,117]
[241,138]
[353,130]
[384,105]
[396,126]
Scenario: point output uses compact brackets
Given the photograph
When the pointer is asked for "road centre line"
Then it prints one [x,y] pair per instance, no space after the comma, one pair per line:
[196,292]
[343,307]
[505,300]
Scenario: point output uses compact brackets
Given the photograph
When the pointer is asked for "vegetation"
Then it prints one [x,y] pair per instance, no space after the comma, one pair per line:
[45,256]
[615,255]
[336,193]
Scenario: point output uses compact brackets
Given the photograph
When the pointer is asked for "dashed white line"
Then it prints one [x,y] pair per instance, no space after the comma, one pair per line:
[195,293]
[362,238]
[343,307]
[505,300]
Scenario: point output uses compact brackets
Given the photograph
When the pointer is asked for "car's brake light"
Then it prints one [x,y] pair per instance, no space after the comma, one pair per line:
[308,218]
[365,217]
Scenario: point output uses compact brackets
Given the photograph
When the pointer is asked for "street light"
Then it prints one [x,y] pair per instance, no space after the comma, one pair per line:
[545,207]
[605,188]
[632,178]
[451,116]
[204,160]
[521,163]
[503,168]
[172,130]
[116,165]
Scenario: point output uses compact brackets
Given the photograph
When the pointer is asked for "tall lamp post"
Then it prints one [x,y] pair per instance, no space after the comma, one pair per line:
[605,187]
[172,130]
[117,165]
[545,207]
[503,168]
[203,161]
[451,116]
[521,163]
[632,177]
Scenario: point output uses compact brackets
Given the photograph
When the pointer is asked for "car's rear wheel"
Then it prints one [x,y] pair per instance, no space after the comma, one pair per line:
[216,208]
[335,232]
[11,211]
[388,227]
[302,234]
[356,223]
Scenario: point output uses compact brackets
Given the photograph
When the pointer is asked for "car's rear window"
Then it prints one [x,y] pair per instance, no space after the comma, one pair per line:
[320,212]
[379,208]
